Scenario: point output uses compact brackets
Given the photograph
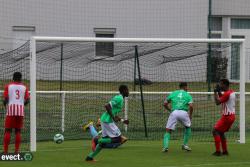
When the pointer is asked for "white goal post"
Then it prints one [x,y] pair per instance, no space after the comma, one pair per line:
[36,39]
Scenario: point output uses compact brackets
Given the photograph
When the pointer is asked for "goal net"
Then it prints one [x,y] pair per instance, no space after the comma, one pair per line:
[10,62]
[71,79]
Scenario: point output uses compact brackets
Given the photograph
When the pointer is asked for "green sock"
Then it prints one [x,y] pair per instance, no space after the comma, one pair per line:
[104,140]
[187,135]
[98,147]
[97,150]
[166,140]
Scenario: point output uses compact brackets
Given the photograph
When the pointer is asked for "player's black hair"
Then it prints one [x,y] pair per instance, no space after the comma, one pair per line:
[183,84]
[122,88]
[17,76]
[225,82]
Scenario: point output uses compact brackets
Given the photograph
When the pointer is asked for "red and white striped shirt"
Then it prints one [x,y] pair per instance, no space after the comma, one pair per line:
[228,102]
[16,93]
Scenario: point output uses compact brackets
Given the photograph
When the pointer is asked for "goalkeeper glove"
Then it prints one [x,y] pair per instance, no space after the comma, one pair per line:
[217,89]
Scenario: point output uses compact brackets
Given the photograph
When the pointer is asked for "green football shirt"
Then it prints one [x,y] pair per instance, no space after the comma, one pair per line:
[116,104]
[180,100]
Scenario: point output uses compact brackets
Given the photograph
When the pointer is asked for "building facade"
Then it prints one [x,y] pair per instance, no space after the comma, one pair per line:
[136,19]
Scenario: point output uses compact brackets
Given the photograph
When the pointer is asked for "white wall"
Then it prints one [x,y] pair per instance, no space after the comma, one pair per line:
[140,18]
[231,7]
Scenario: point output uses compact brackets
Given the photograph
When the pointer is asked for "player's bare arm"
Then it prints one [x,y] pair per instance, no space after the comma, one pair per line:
[26,102]
[167,105]
[115,118]
[5,101]
[217,98]
[26,97]
[217,94]
[191,109]
[109,110]
[5,97]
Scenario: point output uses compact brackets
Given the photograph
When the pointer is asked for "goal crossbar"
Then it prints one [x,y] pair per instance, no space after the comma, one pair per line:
[131,40]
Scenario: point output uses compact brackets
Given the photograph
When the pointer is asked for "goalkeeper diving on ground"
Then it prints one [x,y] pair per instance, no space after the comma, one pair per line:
[110,132]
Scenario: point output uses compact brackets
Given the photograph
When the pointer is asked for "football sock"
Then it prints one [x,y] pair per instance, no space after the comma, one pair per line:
[17,141]
[6,141]
[94,142]
[224,145]
[104,140]
[217,142]
[97,150]
[166,140]
[93,131]
[187,135]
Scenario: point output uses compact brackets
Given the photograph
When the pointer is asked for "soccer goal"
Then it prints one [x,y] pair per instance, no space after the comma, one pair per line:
[72,78]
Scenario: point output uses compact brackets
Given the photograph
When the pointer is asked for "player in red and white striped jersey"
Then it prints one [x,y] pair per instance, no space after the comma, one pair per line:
[227,101]
[15,96]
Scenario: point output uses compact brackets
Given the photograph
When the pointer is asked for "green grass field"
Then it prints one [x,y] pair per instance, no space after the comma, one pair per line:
[139,152]
[135,153]
[80,108]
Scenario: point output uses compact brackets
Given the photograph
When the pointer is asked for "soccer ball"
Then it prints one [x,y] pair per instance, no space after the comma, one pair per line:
[58,138]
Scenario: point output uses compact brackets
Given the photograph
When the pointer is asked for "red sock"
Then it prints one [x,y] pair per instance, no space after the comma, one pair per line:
[224,145]
[17,141]
[6,141]
[217,142]
[93,145]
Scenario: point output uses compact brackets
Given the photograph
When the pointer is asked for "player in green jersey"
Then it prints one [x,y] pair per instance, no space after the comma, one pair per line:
[110,132]
[180,105]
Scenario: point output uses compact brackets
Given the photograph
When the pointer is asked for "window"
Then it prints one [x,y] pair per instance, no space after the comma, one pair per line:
[235,58]
[214,35]
[104,49]
[240,23]
[216,24]
[217,62]
[216,47]
[23,28]
[216,27]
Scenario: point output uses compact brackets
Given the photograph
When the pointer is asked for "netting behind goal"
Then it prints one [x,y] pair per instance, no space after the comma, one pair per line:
[100,66]
[74,80]
[10,62]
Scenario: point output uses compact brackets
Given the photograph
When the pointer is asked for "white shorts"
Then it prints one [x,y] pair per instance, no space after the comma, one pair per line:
[110,130]
[178,115]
